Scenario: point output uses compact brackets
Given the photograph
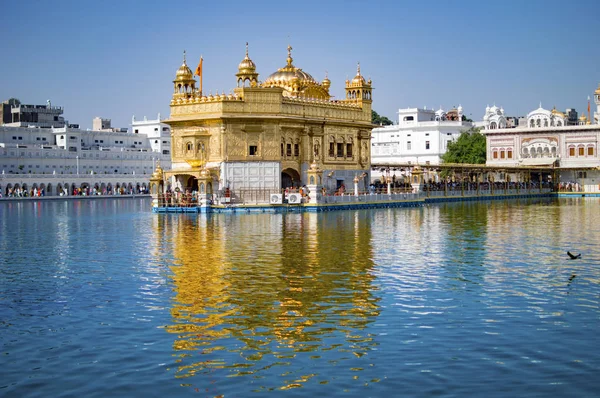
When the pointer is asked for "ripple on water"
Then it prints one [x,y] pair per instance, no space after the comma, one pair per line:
[440,300]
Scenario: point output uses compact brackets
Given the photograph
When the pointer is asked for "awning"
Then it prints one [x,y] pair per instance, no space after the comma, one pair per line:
[537,161]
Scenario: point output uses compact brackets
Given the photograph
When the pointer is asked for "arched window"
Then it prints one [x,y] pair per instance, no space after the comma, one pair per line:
[190,146]
[531,123]
[492,125]
[545,122]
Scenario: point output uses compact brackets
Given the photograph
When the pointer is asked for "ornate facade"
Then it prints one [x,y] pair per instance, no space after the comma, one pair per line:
[548,140]
[267,135]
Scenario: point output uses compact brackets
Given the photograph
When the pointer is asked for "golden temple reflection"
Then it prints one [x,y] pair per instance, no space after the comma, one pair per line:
[253,290]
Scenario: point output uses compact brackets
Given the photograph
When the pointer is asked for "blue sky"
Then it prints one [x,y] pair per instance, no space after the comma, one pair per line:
[116,59]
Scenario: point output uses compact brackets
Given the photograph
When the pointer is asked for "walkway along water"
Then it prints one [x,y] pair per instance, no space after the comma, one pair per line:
[179,202]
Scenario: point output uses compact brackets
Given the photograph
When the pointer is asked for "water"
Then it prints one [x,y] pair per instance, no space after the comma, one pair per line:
[103,298]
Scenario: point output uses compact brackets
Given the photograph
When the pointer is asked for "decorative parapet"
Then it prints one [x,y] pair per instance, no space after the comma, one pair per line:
[316,101]
[197,99]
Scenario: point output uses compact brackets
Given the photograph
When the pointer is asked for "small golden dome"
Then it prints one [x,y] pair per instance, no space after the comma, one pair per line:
[597,90]
[326,82]
[184,72]
[583,118]
[557,112]
[158,172]
[358,79]
[247,65]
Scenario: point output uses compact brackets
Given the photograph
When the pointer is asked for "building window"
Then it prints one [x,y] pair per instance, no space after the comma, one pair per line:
[72,138]
[14,138]
[495,155]
[340,150]
[165,152]
[165,129]
[349,150]
[509,154]
[253,150]
[190,146]
[155,129]
[590,151]
[331,149]
[409,145]
[136,131]
[502,154]
[426,134]
[296,150]
[156,141]
[282,151]
[571,151]
[581,152]
[426,144]
[288,150]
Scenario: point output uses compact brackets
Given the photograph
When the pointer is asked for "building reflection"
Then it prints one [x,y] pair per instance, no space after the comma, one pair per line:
[255,291]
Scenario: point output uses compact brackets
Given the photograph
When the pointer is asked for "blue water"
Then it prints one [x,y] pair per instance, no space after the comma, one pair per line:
[102,297]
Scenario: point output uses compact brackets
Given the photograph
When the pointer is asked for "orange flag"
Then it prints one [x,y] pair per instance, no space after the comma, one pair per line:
[199,68]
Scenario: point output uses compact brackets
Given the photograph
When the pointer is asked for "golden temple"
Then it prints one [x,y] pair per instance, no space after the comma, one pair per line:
[268,135]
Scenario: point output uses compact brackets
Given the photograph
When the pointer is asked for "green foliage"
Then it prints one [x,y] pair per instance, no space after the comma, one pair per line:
[380,120]
[469,148]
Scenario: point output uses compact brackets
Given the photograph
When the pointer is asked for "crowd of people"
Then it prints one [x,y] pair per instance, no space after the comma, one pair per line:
[35,192]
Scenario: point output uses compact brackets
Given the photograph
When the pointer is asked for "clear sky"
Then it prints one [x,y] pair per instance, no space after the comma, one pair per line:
[115,59]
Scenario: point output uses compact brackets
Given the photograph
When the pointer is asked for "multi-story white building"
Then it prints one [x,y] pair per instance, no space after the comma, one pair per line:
[420,137]
[48,153]
[158,133]
[548,140]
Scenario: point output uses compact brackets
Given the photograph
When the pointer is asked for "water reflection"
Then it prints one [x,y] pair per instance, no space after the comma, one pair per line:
[254,291]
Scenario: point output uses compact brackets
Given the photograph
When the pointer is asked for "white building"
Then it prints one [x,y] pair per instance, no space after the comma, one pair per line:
[548,140]
[41,153]
[158,133]
[494,118]
[420,137]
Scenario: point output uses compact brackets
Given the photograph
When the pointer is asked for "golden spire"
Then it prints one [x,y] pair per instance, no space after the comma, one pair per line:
[289,58]
[246,49]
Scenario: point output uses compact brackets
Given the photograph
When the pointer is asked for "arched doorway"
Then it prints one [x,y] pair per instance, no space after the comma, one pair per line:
[192,184]
[290,178]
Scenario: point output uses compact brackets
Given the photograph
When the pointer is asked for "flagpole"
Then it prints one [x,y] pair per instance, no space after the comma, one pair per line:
[201,73]
[590,120]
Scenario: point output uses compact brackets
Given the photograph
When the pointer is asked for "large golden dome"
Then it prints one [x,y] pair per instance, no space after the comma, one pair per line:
[294,80]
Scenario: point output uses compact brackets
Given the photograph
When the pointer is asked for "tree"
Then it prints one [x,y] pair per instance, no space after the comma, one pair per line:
[380,120]
[469,148]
